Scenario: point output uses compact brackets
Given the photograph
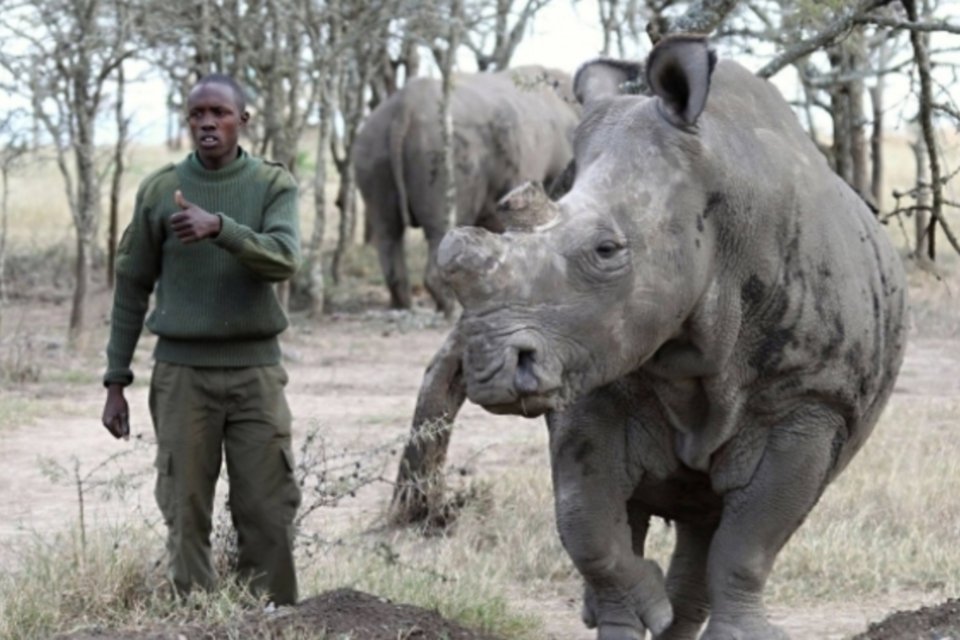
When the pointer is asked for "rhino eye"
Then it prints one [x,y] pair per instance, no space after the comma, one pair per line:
[608,249]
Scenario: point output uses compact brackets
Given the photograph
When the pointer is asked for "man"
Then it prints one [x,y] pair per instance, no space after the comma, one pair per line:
[213,233]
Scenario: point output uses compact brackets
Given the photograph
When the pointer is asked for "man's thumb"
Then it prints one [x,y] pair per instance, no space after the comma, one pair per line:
[180,200]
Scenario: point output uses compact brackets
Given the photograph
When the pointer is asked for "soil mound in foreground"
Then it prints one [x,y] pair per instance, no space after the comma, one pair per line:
[343,613]
[938,622]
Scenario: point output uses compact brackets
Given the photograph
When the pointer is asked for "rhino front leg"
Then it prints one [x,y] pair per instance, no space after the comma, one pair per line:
[639,521]
[760,517]
[625,594]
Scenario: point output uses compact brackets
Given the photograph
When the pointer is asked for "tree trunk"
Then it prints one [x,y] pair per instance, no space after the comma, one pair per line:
[418,494]
[87,211]
[420,488]
[117,178]
[856,61]
[77,311]
[921,215]
[353,108]
[446,60]
[312,270]
[876,136]
[876,145]
[921,55]
[345,201]
[840,103]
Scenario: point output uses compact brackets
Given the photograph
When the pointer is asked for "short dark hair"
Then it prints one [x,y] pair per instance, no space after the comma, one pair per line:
[227,81]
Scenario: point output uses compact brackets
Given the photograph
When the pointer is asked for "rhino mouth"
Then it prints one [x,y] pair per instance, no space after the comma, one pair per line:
[526,406]
[512,381]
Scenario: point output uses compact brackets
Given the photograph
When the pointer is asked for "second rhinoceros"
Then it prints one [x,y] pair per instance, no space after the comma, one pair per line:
[510,127]
[711,321]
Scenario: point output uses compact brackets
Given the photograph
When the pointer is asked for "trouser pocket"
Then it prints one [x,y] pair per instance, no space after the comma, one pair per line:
[164,492]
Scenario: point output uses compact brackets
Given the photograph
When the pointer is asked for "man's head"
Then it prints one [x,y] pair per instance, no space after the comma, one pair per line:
[216,112]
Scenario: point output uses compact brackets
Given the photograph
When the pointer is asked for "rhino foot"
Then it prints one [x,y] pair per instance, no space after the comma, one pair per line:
[620,632]
[645,606]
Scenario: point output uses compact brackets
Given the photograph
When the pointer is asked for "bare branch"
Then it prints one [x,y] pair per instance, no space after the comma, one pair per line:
[926,123]
[891,23]
[834,31]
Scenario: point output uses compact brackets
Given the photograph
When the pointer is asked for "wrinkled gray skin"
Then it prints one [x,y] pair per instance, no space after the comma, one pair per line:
[711,321]
[510,127]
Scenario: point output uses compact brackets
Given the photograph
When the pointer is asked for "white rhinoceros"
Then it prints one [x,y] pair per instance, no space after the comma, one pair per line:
[510,127]
[711,321]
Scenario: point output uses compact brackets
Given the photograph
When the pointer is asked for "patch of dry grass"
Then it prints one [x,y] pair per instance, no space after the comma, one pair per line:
[115,579]
[890,522]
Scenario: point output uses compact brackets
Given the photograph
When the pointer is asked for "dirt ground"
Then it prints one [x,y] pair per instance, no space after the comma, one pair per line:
[356,376]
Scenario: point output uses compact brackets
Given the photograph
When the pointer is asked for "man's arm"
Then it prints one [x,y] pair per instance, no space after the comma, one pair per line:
[137,269]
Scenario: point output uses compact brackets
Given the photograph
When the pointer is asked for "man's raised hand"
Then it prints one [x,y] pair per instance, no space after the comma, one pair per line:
[192,223]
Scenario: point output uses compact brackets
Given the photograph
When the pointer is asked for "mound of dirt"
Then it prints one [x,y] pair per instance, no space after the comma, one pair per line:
[367,616]
[343,613]
[939,622]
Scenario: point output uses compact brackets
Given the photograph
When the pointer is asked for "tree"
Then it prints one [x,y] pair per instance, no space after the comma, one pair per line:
[71,50]
[491,36]
[864,40]
[13,148]
[122,122]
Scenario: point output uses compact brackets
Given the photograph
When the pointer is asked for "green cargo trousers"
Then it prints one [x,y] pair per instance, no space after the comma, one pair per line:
[199,413]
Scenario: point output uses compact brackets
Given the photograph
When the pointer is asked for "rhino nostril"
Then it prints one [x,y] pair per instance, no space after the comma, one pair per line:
[525,380]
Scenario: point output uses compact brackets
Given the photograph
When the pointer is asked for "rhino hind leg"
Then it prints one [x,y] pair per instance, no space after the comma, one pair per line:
[687,581]
[394,267]
[760,517]
[442,294]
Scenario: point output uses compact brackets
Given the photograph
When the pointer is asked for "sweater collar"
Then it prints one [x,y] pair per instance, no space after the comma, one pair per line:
[232,170]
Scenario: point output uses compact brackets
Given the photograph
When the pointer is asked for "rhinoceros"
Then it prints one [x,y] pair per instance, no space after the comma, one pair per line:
[510,127]
[711,321]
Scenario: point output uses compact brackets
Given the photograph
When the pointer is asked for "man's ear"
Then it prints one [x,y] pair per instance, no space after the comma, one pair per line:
[244,117]
[604,78]
[678,73]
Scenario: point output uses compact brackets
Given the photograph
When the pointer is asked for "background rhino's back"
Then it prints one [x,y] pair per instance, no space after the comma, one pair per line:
[510,127]
[371,159]
[520,121]
[822,288]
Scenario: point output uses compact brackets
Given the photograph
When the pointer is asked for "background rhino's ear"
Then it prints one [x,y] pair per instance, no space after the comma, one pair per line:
[605,78]
[678,72]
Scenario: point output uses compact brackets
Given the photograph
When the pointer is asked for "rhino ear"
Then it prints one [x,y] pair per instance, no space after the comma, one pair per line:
[678,73]
[604,78]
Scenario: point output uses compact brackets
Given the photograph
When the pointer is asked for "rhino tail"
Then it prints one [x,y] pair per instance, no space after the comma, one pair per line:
[398,132]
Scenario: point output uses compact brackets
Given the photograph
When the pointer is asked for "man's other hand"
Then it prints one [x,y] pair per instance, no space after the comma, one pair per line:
[116,413]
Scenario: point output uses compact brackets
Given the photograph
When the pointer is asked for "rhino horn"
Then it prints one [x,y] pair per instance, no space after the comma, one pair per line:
[468,258]
[525,208]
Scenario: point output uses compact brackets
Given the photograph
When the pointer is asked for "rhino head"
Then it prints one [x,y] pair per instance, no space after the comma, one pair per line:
[577,293]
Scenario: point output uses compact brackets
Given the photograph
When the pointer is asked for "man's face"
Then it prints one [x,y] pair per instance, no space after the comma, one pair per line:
[215,121]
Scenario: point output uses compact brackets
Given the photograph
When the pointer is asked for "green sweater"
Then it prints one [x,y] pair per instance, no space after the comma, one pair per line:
[215,302]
